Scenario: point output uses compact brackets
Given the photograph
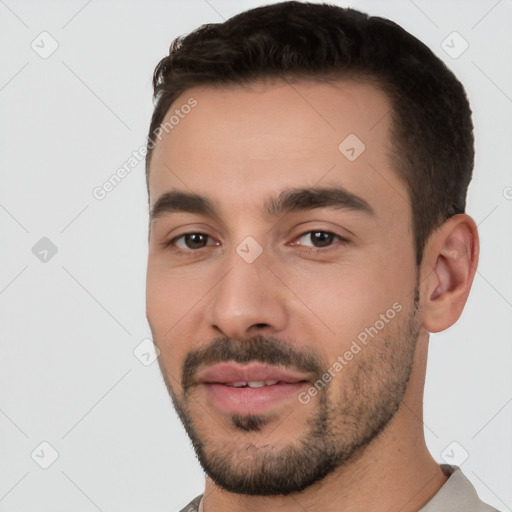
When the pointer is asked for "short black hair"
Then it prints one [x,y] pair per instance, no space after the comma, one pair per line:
[432,130]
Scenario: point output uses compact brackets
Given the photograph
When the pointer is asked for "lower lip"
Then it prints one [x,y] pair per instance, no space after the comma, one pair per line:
[231,400]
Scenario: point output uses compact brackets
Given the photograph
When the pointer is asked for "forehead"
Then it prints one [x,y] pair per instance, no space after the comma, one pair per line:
[275,135]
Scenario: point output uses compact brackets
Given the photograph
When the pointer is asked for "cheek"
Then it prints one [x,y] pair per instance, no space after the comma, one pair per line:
[167,302]
[174,302]
[170,296]
[346,300]
[159,299]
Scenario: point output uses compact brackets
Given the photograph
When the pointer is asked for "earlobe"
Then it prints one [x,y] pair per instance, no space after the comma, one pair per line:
[448,269]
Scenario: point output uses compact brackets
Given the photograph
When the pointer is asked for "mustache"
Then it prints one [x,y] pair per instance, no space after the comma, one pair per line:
[262,349]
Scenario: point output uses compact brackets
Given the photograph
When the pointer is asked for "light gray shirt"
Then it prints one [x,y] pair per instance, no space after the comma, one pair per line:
[456,495]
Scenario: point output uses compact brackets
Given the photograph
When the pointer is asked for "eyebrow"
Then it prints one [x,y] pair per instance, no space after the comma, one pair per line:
[291,200]
[176,201]
[298,199]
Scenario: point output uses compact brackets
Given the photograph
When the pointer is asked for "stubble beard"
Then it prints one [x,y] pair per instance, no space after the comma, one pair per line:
[337,431]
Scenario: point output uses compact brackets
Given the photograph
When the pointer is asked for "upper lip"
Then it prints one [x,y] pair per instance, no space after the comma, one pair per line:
[228,373]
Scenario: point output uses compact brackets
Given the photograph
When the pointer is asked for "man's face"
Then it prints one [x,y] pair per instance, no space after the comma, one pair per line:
[281,278]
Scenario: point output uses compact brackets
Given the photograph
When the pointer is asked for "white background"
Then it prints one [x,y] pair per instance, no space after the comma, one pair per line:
[68,375]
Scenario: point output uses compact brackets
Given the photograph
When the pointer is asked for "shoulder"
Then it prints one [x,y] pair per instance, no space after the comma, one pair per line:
[457,495]
[193,506]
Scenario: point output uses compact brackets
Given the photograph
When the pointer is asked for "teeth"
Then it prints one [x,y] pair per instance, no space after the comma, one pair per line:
[252,384]
[256,384]
[261,383]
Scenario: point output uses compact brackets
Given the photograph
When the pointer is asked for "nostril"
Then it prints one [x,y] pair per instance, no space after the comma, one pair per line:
[260,326]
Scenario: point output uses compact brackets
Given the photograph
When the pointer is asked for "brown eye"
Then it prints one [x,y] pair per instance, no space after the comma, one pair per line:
[191,241]
[322,238]
[318,239]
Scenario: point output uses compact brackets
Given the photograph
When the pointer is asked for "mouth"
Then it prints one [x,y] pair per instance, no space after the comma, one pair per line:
[252,388]
[252,384]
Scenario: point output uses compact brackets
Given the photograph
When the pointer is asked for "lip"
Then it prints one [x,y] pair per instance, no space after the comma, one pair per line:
[229,373]
[218,381]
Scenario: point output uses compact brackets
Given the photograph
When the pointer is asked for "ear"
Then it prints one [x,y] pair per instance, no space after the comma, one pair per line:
[449,264]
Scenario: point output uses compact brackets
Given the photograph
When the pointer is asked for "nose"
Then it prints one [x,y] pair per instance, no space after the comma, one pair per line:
[247,300]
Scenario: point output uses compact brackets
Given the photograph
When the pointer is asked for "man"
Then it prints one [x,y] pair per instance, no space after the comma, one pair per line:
[307,171]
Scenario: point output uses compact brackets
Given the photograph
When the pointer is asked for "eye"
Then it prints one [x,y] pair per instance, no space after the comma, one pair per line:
[318,239]
[191,241]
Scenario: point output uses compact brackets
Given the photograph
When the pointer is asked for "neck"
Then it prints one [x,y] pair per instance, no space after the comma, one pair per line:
[394,472]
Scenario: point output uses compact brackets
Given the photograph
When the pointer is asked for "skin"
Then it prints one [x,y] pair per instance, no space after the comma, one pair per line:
[238,147]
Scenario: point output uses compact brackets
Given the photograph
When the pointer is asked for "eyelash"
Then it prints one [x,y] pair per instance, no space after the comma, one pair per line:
[340,241]
[186,252]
